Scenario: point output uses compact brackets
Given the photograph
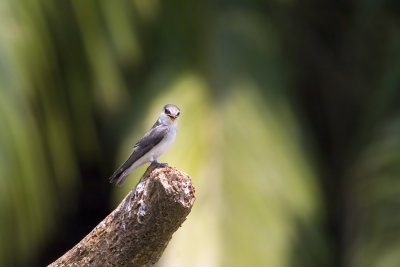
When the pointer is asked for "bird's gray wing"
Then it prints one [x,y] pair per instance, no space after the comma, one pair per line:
[144,145]
[150,140]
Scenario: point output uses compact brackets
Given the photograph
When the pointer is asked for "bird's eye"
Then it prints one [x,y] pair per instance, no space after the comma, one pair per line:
[178,113]
[167,111]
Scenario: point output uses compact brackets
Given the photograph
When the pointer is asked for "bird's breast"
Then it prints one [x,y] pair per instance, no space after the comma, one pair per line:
[165,142]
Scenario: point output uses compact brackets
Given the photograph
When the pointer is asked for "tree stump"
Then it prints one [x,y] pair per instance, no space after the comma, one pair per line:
[139,229]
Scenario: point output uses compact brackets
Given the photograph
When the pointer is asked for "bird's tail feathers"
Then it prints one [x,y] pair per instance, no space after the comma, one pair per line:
[118,177]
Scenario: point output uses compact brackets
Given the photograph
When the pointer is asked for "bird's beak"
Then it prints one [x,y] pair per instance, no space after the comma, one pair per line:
[172,117]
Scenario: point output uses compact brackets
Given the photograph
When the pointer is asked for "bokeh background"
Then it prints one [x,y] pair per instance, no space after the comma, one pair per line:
[290,125]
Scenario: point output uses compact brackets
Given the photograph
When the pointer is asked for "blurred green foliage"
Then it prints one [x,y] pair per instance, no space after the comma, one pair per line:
[289,127]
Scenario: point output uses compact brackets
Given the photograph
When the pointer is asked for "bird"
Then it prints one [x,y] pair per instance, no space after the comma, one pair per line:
[155,142]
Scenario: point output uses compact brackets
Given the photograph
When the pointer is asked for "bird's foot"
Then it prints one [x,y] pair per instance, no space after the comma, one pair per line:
[158,164]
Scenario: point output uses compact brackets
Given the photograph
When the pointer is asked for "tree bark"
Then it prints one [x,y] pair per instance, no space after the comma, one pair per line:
[139,229]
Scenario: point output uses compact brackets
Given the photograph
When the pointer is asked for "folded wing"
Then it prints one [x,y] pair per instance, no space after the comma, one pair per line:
[144,145]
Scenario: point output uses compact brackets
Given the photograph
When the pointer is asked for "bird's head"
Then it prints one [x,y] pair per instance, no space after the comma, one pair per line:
[169,114]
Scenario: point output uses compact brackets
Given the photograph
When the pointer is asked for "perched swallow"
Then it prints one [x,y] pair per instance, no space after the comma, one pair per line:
[152,144]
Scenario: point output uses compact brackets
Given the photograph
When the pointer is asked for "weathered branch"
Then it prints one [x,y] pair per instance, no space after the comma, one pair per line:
[139,229]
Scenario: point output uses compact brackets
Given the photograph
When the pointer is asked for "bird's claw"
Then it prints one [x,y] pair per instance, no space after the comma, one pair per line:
[159,164]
